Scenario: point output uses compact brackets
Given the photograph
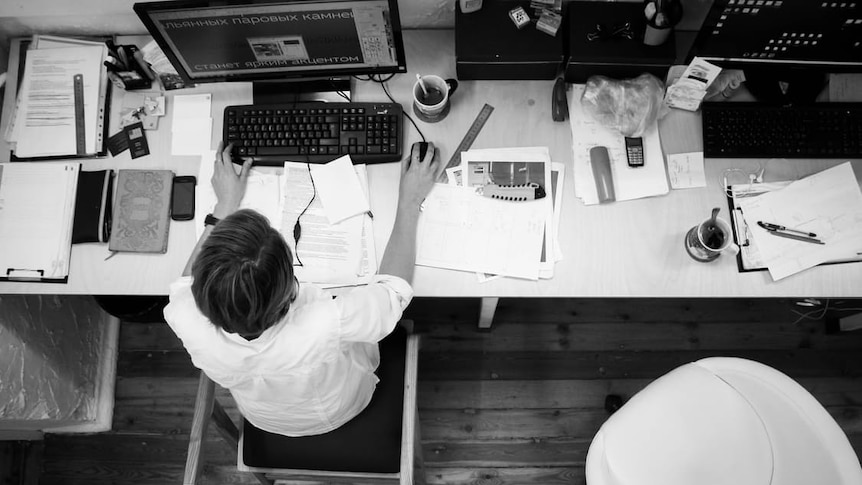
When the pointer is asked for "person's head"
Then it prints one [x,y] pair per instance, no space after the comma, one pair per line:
[243,275]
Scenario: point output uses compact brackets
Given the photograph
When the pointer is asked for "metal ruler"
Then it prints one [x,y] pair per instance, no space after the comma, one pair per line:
[469,138]
[80,133]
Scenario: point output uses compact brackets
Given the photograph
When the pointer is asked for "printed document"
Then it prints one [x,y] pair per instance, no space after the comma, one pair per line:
[326,253]
[828,204]
[461,230]
[517,166]
[45,116]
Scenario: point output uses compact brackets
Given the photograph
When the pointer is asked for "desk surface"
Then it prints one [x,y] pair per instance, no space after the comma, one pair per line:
[624,249]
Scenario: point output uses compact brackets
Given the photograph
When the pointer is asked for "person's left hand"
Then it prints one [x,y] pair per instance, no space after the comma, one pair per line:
[229,186]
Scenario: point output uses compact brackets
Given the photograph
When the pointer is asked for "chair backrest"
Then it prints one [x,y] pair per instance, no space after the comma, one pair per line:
[722,421]
[207,407]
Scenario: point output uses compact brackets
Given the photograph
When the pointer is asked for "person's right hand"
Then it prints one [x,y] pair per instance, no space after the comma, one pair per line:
[418,176]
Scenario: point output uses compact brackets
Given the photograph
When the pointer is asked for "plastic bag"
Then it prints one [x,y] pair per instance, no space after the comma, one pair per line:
[629,106]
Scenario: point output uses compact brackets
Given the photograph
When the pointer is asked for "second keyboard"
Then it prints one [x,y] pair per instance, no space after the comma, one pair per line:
[315,132]
[755,130]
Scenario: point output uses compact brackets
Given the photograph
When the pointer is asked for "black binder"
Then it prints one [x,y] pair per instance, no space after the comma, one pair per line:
[93,207]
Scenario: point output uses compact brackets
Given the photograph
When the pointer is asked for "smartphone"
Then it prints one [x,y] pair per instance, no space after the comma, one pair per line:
[635,151]
[183,198]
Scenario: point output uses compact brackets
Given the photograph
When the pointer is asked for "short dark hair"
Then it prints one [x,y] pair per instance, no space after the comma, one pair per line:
[243,275]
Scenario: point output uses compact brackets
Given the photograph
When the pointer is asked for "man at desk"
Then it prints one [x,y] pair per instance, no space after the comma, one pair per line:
[297,360]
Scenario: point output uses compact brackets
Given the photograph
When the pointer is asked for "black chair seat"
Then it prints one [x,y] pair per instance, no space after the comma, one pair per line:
[370,442]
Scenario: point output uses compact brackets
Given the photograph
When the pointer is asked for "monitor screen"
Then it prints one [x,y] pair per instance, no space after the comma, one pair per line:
[818,34]
[245,40]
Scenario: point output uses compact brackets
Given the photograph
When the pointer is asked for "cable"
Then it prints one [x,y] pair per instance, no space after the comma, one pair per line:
[382,82]
[404,112]
[297,228]
[820,312]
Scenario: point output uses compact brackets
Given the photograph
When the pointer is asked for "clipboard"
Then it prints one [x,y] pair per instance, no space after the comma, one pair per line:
[748,259]
[36,220]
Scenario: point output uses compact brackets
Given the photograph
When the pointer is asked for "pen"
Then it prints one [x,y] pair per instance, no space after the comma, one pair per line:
[776,227]
[795,236]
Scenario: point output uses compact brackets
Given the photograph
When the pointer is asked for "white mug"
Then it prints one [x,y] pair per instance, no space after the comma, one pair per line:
[431,104]
[706,241]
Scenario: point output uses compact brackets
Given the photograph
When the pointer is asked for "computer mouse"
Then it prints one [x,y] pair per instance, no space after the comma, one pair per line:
[422,146]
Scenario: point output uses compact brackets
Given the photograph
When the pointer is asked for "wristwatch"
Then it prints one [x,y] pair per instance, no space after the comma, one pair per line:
[211,220]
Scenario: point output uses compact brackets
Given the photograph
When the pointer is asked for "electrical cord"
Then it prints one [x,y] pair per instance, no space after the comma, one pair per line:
[819,313]
[382,82]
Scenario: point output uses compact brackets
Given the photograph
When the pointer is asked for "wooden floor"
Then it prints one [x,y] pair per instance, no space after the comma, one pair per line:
[518,404]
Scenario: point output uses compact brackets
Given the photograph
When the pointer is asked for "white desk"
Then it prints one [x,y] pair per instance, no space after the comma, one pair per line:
[625,249]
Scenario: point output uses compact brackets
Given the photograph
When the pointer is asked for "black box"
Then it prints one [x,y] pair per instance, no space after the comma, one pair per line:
[488,45]
[617,57]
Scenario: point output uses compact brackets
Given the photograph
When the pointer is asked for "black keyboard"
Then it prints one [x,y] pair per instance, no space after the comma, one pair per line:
[755,130]
[315,132]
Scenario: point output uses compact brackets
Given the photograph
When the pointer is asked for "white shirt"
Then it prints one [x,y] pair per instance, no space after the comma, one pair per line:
[308,374]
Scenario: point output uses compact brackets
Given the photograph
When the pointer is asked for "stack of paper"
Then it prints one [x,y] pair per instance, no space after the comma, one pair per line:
[46,122]
[827,204]
[629,183]
[463,230]
[37,204]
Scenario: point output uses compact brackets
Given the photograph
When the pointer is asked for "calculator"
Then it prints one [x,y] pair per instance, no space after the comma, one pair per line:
[635,151]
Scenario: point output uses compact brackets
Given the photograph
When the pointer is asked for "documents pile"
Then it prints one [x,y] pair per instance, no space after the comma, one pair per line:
[330,202]
[826,207]
[497,216]
[60,104]
[629,182]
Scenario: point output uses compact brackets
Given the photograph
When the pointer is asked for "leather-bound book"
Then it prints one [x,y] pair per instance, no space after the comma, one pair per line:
[141,211]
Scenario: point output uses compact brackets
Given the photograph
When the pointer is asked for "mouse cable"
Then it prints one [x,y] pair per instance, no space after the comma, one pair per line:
[404,112]
[297,228]
[382,82]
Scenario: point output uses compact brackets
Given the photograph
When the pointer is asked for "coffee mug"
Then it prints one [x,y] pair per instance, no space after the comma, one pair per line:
[706,241]
[432,103]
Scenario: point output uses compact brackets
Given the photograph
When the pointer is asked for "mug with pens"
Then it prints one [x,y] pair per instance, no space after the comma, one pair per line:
[661,17]
[127,68]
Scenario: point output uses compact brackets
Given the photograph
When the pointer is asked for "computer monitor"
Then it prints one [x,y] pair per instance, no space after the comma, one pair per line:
[791,41]
[308,43]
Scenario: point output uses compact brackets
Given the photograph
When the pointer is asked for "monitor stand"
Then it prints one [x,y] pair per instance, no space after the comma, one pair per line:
[785,86]
[286,92]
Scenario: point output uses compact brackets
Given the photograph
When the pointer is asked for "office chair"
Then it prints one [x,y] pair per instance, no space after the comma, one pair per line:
[380,445]
[722,421]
